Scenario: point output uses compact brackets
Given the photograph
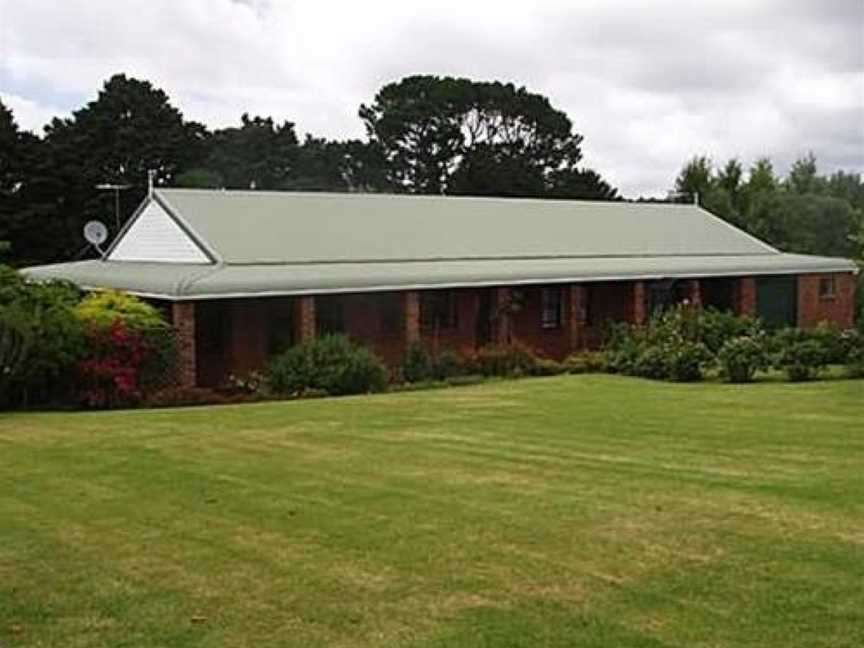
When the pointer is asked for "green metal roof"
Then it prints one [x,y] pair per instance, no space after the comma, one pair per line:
[267,243]
[176,281]
[282,227]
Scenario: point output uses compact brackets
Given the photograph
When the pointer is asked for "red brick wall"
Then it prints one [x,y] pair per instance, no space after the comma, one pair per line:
[838,309]
[462,337]
[183,320]
[526,326]
[745,296]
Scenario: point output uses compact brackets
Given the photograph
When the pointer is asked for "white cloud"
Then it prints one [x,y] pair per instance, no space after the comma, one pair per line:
[648,83]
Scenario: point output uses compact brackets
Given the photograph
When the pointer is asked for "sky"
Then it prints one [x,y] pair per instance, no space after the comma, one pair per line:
[648,83]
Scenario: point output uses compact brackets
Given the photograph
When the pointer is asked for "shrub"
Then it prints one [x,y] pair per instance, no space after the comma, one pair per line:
[716,327]
[332,364]
[586,362]
[56,337]
[685,360]
[447,364]
[16,339]
[741,357]
[102,308]
[800,359]
[418,363]
[111,372]
[855,354]
[548,367]
[513,359]
[651,362]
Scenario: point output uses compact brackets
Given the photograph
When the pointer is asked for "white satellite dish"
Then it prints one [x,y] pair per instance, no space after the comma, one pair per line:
[96,234]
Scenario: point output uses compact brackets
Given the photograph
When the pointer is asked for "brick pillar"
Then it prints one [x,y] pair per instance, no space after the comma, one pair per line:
[501,323]
[694,292]
[639,314]
[304,319]
[183,319]
[745,302]
[576,315]
[411,302]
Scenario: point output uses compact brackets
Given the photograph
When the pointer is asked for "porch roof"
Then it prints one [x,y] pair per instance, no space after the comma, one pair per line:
[176,281]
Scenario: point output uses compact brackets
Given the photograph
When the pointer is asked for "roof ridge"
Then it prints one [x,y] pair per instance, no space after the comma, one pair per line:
[409,196]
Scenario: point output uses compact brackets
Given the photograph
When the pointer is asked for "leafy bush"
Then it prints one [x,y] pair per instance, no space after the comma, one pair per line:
[332,364]
[102,308]
[854,343]
[548,367]
[56,337]
[447,364]
[418,363]
[685,360]
[801,359]
[508,360]
[651,362]
[586,362]
[715,328]
[741,357]
[111,372]
[16,339]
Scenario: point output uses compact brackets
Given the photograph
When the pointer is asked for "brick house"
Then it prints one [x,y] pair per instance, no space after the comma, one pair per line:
[245,274]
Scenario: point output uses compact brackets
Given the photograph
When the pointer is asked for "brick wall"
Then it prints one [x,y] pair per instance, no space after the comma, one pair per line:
[183,320]
[526,324]
[838,309]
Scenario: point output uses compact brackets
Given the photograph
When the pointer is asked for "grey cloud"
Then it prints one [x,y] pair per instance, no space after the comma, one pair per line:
[649,83]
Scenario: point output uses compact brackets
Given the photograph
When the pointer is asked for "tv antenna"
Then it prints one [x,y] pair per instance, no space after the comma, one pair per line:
[96,234]
[116,188]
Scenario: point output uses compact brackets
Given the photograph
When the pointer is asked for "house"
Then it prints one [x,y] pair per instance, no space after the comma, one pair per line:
[245,274]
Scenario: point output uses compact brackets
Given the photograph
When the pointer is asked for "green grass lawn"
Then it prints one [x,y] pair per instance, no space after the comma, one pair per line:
[569,511]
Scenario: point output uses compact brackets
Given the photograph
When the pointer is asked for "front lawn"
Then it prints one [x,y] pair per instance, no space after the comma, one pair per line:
[568,511]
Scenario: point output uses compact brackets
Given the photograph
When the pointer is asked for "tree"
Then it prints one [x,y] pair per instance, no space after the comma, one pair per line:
[803,177]
[260,154]
[695,179]
[18,151]
[129,129]
[447,135]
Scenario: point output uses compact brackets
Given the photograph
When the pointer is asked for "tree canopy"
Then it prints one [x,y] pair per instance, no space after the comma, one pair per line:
[453,135]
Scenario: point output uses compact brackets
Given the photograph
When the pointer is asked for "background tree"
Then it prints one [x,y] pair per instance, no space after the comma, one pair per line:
[130,128]
[804,212]
[447,135]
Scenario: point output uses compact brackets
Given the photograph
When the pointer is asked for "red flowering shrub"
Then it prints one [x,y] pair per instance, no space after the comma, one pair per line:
[111,372]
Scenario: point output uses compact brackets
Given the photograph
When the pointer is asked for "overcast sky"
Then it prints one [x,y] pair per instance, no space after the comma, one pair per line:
[648,83]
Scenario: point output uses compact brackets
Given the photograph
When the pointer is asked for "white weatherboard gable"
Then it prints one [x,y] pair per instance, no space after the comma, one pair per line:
[155,236]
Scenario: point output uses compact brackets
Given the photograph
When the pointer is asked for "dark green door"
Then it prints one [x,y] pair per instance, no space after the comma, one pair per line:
[777,301]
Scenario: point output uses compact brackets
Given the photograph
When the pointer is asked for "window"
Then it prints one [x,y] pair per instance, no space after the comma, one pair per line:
[550,314]
[437,310]
[827,288]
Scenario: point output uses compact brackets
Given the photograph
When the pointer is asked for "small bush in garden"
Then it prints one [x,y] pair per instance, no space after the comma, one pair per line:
[56,338]
[111,372]
[801,360]
[548,367]
[685,360]
[251,383]
[418,363]
[447,364]
[855,354]
[586,362]
[716,327]
[741,357]
[509,360]
[102,308]
[651,362]
[332,364]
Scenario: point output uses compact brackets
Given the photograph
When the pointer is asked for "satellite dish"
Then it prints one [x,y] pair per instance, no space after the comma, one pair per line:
[96,234]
